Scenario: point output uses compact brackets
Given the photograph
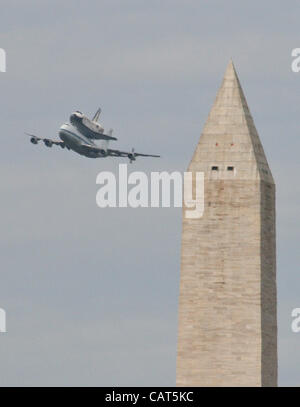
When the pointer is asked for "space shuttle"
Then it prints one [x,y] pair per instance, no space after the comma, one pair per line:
[90,128]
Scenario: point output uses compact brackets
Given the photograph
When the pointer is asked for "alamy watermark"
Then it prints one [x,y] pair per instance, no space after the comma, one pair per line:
[2,311]
[296,321]
[2,60]
[296,62]
[152,192]
[2,321]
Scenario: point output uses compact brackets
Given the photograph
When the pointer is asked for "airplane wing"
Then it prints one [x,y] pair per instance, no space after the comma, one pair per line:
[144,155]
[115,153]
[48,142]
[93,149]
[130,154]
[118,153]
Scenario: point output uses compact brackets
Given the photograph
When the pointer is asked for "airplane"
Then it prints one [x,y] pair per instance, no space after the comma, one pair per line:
[79,135]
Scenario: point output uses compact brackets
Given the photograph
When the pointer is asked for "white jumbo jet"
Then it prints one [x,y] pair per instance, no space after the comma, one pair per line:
[78,135]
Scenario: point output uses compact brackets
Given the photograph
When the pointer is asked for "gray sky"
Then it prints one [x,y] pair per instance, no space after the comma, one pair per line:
[91,294]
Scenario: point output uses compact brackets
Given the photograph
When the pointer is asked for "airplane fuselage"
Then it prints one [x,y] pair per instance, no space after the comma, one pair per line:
[74,140]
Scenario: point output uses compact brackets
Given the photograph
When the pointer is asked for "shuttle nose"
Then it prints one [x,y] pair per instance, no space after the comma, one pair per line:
[75,117]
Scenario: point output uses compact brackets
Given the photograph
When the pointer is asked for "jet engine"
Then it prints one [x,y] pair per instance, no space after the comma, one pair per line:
[132,156]
[48,143]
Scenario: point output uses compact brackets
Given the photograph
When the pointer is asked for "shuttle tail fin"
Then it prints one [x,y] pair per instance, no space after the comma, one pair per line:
[96,115]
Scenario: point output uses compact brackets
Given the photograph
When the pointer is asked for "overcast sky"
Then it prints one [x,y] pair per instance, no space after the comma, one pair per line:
[91,294]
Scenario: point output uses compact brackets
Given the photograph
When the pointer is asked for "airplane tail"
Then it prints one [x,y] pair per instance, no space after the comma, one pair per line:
[104,144]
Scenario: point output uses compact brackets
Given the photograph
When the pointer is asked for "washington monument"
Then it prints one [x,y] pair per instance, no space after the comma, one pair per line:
[227,332]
